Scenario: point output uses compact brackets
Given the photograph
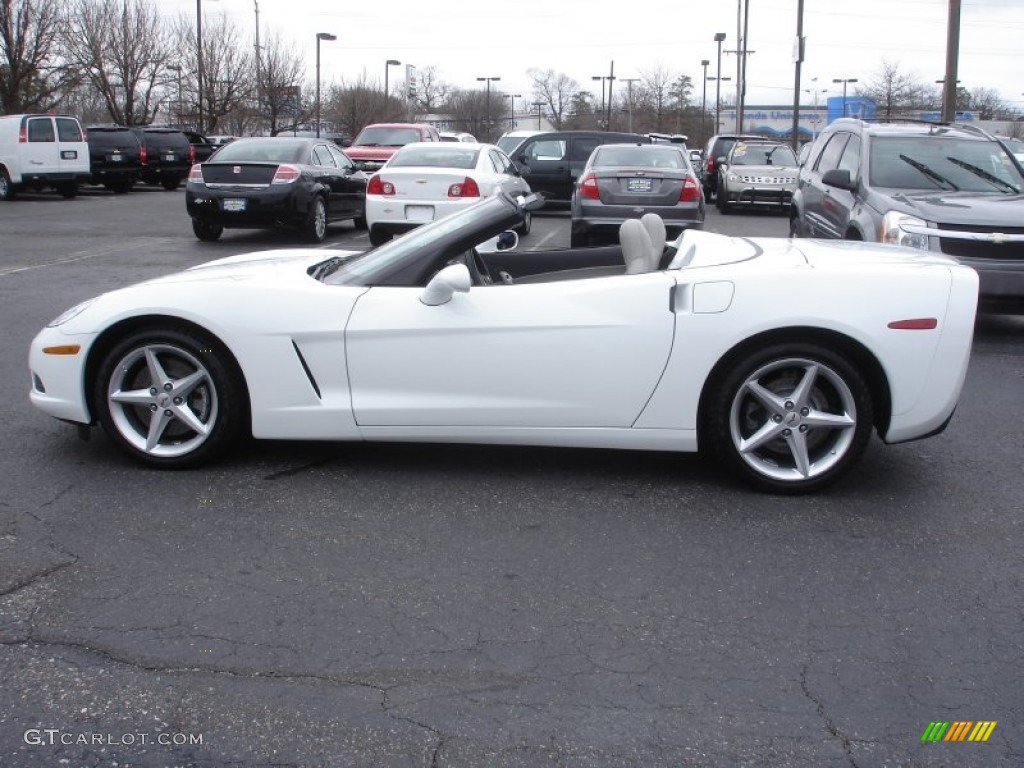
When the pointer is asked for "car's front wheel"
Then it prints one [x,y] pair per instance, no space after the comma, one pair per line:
[6,186]
[170,184]
[790,418]
[169,397]
[527,225]
[205,231]
[316,225]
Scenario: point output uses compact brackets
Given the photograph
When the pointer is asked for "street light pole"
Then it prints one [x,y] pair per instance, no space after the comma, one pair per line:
[487,122]
[719,37]
[320,36]
[844,81]
[539,105]
[602,78]
[512,108]
[199,51]
[387,68]
[704,101]
[629,87]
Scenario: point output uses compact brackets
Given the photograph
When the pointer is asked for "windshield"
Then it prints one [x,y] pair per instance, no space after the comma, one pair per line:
[763,154]
[434,156]
[642,157]
[943,162]
[507,143]
[260,151]
[380,136]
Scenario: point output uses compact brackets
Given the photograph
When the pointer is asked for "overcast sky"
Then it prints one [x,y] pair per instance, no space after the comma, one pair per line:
[466,39]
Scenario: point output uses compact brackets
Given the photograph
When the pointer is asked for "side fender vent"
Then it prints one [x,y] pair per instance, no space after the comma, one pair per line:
[305,367]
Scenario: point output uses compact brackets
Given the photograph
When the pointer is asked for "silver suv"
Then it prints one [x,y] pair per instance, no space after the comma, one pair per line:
[949,188]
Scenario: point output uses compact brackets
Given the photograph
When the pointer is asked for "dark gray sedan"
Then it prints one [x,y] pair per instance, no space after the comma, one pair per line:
[625,181]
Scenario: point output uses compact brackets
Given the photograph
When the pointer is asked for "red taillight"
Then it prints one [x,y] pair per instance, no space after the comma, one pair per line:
[466,188]
[711,165]
[916,324]
[377,186]
[191,153]
[285,174]
[22,135]
[588,187]
[690,190]
[196,174]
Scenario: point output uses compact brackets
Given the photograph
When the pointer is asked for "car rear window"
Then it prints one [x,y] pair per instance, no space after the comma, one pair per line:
[112,137]
[68,129]
[642,157]
[386,137]
[434,157]
[277,151]
[933,162]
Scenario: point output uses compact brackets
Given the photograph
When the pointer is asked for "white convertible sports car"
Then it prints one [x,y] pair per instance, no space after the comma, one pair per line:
[778,357]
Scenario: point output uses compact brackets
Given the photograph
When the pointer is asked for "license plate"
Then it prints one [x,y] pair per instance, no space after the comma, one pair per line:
[169,158]
[69,154]
[639,185]
[234,205]
[116,158]
[419,212]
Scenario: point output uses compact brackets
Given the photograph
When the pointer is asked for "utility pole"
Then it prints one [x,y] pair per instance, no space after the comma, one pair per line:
[629,86]
[952,54]
[611,79]
[742,26]
[798,57]
[259,67]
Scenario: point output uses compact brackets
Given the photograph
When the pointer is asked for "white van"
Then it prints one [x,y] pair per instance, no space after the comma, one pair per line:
[40,151]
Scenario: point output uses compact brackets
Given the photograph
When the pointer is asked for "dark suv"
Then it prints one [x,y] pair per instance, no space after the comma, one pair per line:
[169,156]
[116,156]
[949,188]
[719,146]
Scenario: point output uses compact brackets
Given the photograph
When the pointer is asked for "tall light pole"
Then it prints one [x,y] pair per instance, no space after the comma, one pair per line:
[629,87]
[815,116]
[719,37]
[844,81]
[512,108]
[602,78]
[176,68]
[199,51]
[487,108]
[320,36]
[387,94]
[952,55]
[540,106]
[704,101]
[259,59]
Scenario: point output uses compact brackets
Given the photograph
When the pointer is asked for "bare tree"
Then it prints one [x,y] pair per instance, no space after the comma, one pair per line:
[431,91]
[556,90]
[281,101]
[32,76]
[354,104]
[893,90]
[582,114]
[468,110]
[123,49]
[987,103]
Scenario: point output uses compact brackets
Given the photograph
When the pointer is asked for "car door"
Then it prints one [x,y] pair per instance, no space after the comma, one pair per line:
[41,151]
[72,148]
[575,353]
[327,174]
[544,163]
[352,183]
[820,201]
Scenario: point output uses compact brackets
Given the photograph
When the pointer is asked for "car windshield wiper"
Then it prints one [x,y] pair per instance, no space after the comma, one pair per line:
[929,172]
[982,173]
[324,268]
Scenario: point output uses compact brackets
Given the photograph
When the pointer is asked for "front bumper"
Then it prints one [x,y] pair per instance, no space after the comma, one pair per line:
[58,381]
[757,195]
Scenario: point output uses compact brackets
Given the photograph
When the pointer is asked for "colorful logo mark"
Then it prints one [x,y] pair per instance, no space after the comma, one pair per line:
[958,730]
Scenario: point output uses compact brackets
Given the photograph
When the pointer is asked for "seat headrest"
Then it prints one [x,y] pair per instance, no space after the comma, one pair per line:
[655,227]
[636,247]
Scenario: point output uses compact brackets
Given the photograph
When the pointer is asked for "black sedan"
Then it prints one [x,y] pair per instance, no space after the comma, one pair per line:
[258,183]
[625,181]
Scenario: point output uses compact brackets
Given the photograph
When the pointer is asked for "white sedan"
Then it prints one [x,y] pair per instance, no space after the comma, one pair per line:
[777,357]
[427,181]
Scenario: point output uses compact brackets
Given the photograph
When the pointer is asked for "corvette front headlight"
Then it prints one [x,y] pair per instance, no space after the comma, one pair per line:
[894,232]
[76,310]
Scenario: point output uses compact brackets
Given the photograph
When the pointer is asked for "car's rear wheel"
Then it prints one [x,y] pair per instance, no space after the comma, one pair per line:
[68,191]
[207,232]
[6,186]
[790,418]
[378,237]
[170,183]
[169,397]
[316,225]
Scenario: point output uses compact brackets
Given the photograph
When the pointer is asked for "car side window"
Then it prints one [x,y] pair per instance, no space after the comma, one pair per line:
[545,149]
[68,129]
[340,158]
[40,129]
[500,162]
[850,159]
[322,156]
[829,159]
[582,148]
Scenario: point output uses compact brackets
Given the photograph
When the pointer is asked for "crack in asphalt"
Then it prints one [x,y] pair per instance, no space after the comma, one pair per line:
[36,577]
[830,726]
[296,470]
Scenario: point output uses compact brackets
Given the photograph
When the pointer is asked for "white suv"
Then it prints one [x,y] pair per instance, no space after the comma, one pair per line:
[40,151]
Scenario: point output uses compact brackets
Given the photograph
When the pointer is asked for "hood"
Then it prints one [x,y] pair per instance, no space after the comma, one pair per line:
[275,265]
[962,208]
[370,153]
[850,253]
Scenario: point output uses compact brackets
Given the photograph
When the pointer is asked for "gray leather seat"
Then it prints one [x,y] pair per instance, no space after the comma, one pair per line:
[636,247]
[655,227]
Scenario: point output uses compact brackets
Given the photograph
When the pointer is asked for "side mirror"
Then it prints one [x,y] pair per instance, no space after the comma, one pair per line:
[346,142]
[720,160]
[445,283]
[839,178]
[504,241]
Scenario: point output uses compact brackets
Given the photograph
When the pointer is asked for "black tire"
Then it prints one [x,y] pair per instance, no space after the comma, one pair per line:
[170,183]
[360,222]
[207,232]
[814,438]
[315,228]
[119,187]
[579,239]
[724,206]
[378,237]
[7,191]
[68,191]
[527,225]
[197,422]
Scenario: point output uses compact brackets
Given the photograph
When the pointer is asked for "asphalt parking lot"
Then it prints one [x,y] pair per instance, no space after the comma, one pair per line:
[320,604]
